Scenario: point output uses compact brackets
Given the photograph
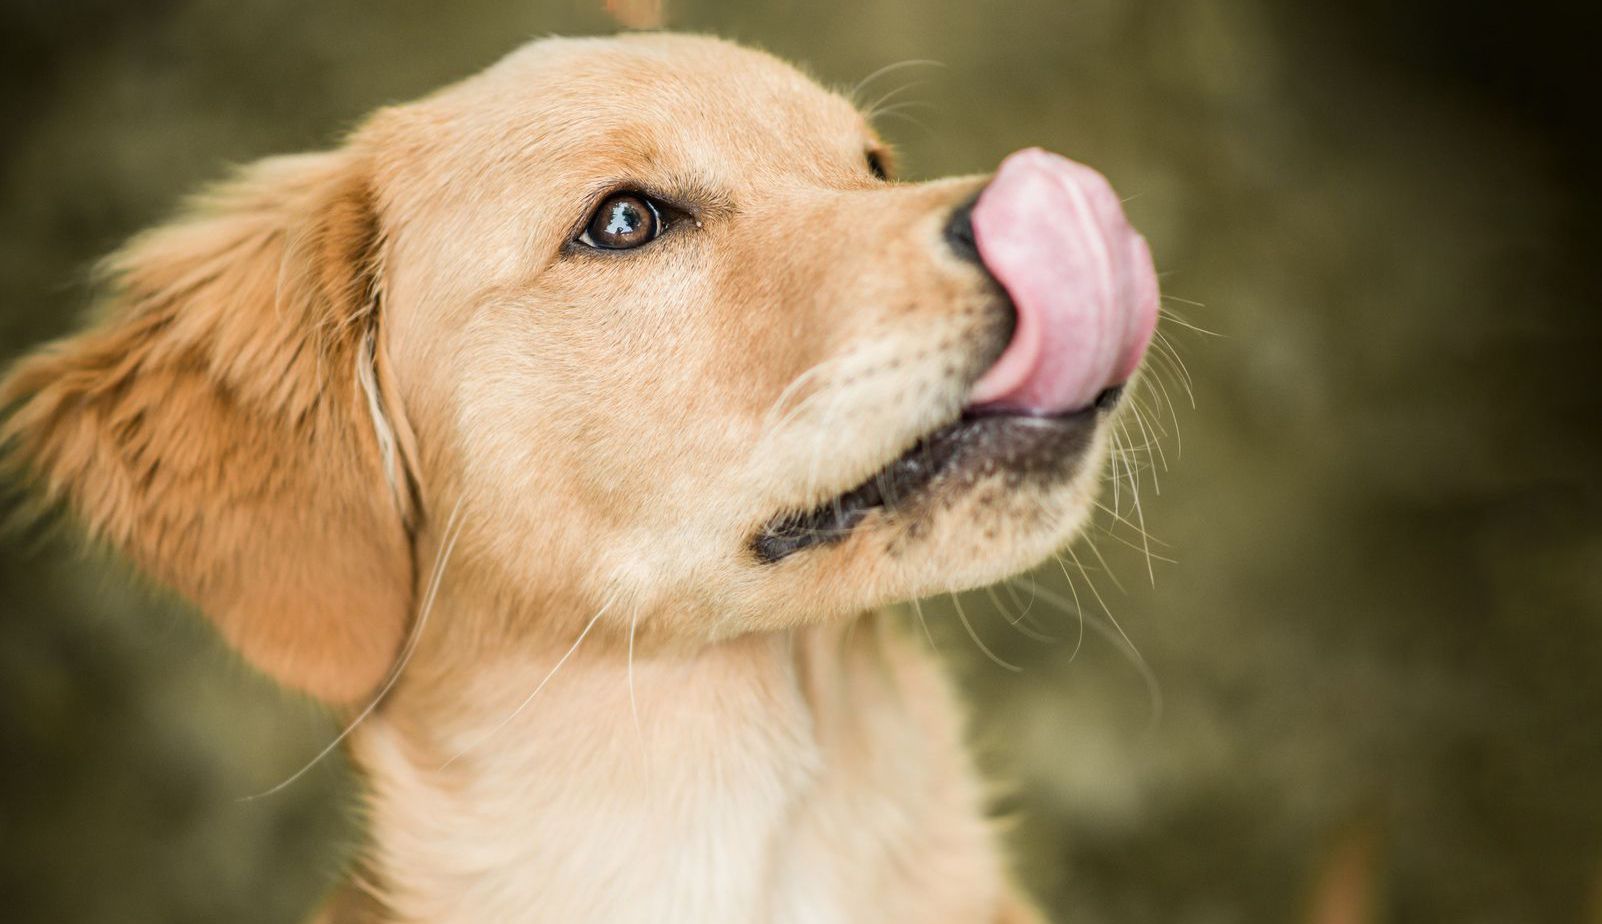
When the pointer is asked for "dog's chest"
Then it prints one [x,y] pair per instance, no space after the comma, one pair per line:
[817,783]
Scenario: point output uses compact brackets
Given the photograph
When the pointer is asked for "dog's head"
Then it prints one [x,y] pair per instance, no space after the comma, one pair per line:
[643,319]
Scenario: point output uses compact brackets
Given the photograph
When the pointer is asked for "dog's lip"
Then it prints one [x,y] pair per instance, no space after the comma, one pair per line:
[904,479]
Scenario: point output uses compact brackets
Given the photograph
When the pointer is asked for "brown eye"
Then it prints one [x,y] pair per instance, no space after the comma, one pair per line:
[622,222]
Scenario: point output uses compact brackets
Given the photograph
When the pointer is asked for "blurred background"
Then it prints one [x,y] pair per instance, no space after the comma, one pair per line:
[1369,680]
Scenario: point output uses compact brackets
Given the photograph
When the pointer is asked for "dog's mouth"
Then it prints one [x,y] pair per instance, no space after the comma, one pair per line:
[1083,293]
[982,443]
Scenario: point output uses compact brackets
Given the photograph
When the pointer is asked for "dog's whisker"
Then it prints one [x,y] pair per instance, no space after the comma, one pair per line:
[634,703]
[963,616]
[1174,318]
[448,537]
[894,92]
[825,425]
[776,424]
[1124,521]
[1177,318]
[1152,445]
[775,427]
[1132,460]
[1095,592]
[825,433]
[889,69]
[897,108]
[1029,608]
[540,686]
[1152,407]
[1116,485]
[1078,609]
[917,607]
[894,113]
[1120,639]
[1161,341]
[1150,419]
[1109,533]
[1106,569]
[1140,513]
[1161,362]
[1010,585]
[801,380]
[1017,622]
[1139,453]
[1160,397]
[814,457]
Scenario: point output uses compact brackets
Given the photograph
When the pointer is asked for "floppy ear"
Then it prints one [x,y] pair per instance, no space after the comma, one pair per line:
[224,424]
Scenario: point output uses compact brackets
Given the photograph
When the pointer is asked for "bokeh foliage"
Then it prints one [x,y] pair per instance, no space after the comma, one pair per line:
[1377,642]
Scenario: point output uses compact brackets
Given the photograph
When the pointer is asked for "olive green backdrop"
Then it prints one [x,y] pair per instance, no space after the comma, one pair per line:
[1373,621]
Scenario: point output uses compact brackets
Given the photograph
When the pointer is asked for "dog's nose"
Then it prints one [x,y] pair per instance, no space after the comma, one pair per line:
[959,232]
[1053,233]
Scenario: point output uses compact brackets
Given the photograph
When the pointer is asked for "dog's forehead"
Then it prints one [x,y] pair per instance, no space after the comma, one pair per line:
[508,159]
[677,102]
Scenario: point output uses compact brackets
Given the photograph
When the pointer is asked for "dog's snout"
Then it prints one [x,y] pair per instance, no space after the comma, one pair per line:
[959,232]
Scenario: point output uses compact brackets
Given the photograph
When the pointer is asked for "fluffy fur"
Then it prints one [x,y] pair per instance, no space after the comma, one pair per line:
[375,398]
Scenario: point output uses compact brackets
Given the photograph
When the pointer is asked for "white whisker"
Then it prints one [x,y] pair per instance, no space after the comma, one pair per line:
[1161,341]
[1151,423]
[917,607]
[634,703]
[1153,445]
[1079,611]
[1140,515]
[1106,569]
[962,615]
[878,105]
[888,69]
[1017,622]
[448,538]
[541,685]
[1147,537]
[806,376]
[1120,640]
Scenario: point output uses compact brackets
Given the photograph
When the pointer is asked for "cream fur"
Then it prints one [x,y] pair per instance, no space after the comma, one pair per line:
[295,384]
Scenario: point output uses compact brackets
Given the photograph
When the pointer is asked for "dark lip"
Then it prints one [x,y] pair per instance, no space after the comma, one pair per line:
[981,442]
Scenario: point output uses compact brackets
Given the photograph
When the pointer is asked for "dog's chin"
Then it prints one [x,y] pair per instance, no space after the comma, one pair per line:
[974,501]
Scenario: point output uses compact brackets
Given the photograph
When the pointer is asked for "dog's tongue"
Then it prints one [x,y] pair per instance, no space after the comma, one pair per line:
[1053,233]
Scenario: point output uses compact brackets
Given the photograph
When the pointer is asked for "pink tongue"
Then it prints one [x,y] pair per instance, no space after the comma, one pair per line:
[1053,233]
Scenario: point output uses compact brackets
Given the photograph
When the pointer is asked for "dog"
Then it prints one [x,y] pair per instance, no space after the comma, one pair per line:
[568,431]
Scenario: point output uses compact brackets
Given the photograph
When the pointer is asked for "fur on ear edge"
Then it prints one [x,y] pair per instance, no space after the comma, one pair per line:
[209,426]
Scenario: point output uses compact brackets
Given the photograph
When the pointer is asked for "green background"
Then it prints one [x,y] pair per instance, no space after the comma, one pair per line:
[1376,624]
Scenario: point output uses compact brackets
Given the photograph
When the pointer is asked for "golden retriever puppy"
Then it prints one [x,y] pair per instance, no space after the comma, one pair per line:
[567,428]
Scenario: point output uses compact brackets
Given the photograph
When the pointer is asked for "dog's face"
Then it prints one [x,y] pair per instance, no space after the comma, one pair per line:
[687,344]
[651,325]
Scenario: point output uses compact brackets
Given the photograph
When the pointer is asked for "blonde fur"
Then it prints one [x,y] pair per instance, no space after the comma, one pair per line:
[614,712]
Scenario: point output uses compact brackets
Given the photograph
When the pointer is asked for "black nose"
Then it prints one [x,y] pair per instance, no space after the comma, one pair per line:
[961,240]
[959,232]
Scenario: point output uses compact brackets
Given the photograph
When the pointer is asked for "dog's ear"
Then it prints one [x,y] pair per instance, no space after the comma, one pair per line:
[225,423]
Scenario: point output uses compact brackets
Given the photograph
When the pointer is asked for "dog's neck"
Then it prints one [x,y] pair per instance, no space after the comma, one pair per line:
[779,777]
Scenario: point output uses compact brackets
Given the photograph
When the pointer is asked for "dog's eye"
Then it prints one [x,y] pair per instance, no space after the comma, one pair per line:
[876,166]
[624,221]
